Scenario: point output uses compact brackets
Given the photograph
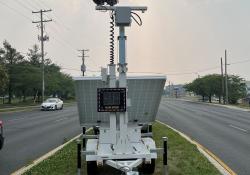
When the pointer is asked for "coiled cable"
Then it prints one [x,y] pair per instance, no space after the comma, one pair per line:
[112,38]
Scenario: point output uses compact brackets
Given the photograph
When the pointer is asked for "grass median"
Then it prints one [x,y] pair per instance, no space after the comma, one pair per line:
[184,158]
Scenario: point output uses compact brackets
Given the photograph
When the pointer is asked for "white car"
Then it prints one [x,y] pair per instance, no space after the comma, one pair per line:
[52,104]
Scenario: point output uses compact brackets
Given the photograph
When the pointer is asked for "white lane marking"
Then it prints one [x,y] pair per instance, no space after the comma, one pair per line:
[235,127]
[61,119]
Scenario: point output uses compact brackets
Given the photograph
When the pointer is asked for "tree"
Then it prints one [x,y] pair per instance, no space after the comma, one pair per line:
[3,80]
[198,86]
[236,88]
[210,85]
[34,57]
[58,83]
[25,75]
[213,86]
[27,80]
[10,58]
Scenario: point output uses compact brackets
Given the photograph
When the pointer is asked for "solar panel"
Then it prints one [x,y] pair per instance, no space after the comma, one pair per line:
[144,94]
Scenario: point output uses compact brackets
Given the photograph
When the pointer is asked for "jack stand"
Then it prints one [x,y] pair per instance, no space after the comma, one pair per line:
[79,160]
[165,156]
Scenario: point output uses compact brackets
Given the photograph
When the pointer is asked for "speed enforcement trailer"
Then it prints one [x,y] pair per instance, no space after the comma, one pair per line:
[118,107]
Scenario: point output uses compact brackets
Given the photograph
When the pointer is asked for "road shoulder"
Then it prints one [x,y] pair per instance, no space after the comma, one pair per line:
[219,164]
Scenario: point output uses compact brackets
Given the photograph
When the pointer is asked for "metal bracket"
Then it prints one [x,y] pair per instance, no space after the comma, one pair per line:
[122,68]
[113,8]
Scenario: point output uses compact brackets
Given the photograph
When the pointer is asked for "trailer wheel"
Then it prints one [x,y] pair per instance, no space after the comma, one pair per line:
[148,168]
[92,168]
[96,130]
[144,129]
[1,141]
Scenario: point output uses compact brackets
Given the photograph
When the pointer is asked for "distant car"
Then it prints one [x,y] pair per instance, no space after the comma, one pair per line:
[1,135]
[52,104]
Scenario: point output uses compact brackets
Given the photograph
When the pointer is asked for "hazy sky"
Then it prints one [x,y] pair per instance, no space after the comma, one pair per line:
[180,38]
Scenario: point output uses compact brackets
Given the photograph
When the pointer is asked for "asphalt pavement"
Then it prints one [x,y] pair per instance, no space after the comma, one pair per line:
[225,132]
[31,134]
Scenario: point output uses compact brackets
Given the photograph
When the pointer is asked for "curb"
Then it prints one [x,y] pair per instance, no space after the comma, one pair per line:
[46,156]
[217,162]
[18,109]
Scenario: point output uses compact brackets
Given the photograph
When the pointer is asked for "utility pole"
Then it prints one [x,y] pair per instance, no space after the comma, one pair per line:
[83,56]
[172,90]
[169,89]
[222,81]
[226,78]
[42,38]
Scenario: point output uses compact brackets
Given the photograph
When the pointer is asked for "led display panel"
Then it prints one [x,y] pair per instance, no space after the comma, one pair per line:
[111,99]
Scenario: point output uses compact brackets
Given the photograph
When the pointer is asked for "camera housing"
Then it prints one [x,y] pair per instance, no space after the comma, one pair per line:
[102,2]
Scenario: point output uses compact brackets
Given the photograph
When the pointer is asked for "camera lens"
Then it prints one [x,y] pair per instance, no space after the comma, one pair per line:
[109,2]
[99,2]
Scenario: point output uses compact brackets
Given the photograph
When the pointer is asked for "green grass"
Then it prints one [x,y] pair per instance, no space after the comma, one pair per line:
[184,158]
[245,106]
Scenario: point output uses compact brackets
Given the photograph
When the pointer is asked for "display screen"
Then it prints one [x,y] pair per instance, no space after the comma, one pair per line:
[111,100]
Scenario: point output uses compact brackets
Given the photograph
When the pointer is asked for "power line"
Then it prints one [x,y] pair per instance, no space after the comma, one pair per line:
[56,18]
[16,11]
[44,4]
[63,42]
[32,5]
[23,5]
[239,62]
[38,4]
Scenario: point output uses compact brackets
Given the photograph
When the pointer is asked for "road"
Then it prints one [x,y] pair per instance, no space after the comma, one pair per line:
[225,132]
[30,135]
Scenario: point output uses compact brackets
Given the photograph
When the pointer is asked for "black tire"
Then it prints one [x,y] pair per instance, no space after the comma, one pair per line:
[148,168]
[62,107]
[1,141]
[144,129]
[96,130]
[92,168]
